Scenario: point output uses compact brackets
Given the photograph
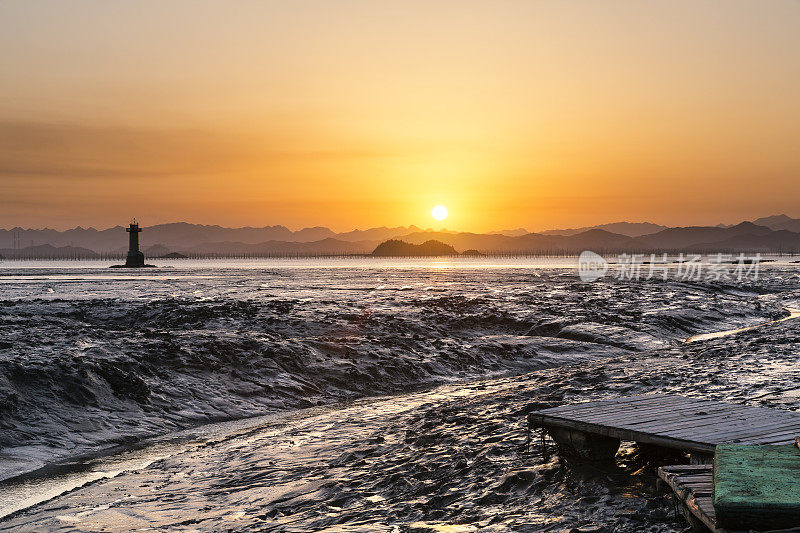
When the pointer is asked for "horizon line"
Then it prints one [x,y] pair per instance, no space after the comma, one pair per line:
[410,226]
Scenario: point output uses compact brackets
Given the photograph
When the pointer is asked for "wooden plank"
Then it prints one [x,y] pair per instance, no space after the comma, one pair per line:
[639,403]
[699,477]
[684,423]
[700,510]
[629,434]
[687,468]
[589,407]
[625,434]
[731,414]
[782,436]
[741,412]
[706,505]
[656,415]
[748,427]
[769,421]
[786,436]
[699,504]
[653,411]
[788,429]
[780,439]
[727,433]
[696,427]
[701,421]
[692,490]
[680,469]
[662,414]
[675,469]
[676,419]
[611,406]
[724,432]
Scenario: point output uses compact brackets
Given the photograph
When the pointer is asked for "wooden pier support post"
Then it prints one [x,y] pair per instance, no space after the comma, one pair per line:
[698,458]
[582,445]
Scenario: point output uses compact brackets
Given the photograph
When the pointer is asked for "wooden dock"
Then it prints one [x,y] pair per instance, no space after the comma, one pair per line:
[669,421]
[693,486]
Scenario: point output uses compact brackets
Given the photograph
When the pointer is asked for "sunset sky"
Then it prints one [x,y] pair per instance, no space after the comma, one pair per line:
[354,114]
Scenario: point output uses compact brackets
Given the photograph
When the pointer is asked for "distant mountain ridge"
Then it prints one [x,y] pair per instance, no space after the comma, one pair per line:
[630,229]
[47,251]
[512,232]
[778,233]
[182,235]
[745,236]
[779,222]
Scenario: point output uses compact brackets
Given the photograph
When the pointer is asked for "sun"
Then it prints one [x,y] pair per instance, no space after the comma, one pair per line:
[439,212]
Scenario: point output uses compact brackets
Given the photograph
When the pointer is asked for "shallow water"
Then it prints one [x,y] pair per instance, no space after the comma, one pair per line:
[89,360]
[793,313]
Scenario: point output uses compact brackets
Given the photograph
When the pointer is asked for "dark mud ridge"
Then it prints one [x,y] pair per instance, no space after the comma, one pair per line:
[79,374]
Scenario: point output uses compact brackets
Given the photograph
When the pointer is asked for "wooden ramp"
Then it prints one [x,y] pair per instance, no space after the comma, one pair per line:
[693,486]
[669,421]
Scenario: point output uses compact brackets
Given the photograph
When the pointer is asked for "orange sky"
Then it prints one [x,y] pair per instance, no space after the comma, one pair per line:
[354,114]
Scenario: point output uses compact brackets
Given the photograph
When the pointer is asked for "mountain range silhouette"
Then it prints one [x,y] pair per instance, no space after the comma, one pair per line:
[778,233]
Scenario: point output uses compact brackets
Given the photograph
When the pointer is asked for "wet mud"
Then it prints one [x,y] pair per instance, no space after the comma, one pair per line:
[463,354]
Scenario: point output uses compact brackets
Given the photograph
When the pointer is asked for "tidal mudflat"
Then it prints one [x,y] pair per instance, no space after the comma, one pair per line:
[348,395]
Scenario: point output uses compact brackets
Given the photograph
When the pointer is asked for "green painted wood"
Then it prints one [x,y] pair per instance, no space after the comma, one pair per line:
[757,487]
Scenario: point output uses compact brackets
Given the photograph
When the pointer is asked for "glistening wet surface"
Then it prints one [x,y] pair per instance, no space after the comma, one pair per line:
[793,313]
[454,457]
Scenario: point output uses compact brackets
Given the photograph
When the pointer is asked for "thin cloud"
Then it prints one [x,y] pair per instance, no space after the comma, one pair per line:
[73,151]
[69,150]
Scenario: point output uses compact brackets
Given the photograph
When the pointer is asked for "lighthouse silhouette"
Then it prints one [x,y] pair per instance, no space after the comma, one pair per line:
[135,258]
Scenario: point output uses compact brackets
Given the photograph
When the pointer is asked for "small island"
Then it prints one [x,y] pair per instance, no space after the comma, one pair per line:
[396,248]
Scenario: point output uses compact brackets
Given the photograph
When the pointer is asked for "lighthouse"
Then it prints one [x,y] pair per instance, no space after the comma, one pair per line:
[135,257]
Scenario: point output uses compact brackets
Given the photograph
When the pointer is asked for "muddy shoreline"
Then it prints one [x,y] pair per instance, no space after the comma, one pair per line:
[447,455]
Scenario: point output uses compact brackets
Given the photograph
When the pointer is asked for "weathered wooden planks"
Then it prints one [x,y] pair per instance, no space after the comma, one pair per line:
[673,421]
[691,486]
